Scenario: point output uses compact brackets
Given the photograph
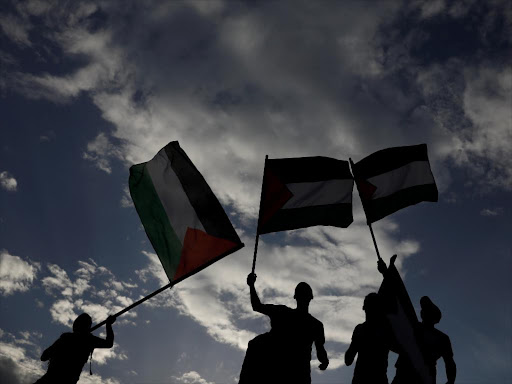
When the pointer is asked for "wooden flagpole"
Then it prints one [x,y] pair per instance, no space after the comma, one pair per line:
[258,225]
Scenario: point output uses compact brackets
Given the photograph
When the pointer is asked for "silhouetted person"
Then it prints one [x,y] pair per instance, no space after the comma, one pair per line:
[433,343]
[70,352]
[283,355]
[371,341]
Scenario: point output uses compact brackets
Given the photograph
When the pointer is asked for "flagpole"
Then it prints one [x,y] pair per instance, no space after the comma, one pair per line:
[259,213]
[131,306]
[369,224]
[374,242]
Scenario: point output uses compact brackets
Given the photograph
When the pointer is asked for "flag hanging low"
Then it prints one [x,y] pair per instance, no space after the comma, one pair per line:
[305,191]
[401,316]
[183,219]
[394,178]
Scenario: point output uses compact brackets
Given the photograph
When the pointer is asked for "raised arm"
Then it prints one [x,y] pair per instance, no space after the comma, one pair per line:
[255,300]
[109,341]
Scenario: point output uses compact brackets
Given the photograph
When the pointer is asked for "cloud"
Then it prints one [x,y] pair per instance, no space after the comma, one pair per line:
[491,212]
[17,364]
[94,290]
[100,150]
[237,92]
[16,29]
[16,274]
[8,182]
[191,377]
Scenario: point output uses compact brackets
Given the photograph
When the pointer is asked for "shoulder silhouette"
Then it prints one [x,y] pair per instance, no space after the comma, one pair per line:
[68,355]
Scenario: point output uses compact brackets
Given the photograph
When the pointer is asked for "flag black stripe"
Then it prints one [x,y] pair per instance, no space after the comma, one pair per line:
[203,200]
[336,215]
[380,208]
[389,159]
[309,169]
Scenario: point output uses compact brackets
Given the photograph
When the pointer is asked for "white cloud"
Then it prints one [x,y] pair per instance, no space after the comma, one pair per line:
[8,182]
[487,103]
[16,29]
[16,275]
[17,358]
[191,377]
[491,211]
[126,199]
[100,150]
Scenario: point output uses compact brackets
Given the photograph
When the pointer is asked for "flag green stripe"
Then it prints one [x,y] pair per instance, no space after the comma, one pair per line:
[154,219]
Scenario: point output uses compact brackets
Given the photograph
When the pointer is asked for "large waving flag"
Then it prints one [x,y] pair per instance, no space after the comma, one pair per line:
[394,178]
[305,191]
[183,219]
[404,324]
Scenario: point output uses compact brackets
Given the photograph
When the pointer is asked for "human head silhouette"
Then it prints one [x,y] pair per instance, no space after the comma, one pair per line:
[430,313]
[303,293]
[82,323]
[372,304]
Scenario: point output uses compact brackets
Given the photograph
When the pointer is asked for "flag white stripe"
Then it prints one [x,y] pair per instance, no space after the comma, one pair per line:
[175,201]
[319,193]
[410,175]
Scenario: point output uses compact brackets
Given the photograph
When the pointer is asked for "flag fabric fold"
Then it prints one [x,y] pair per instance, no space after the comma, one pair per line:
[305,191]
[394,178]
[404,323]
[182,217]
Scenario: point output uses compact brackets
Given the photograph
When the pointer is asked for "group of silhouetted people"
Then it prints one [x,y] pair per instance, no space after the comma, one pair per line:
[283,354]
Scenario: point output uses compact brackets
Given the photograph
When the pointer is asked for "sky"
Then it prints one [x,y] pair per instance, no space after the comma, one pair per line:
[88,88]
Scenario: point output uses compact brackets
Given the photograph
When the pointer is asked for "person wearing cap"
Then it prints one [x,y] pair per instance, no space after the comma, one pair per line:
[283,355]
[434,344]
[371,342]
[68,355]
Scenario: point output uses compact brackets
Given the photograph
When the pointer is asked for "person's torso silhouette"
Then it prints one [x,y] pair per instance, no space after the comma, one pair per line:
[371,341]
[294,332]
[283,355]
[434,344]
[68,355]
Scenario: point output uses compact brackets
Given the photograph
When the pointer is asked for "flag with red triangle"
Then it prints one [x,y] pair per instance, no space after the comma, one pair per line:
[305,191]
[183,219]
[394,178]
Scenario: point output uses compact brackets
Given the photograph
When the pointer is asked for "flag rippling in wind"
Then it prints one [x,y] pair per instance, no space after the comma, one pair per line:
[183,219]
[305,191]
[394,178]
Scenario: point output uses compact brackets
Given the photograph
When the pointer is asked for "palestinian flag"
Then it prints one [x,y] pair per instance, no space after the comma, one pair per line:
[183,219]
[394,178]
[305,191]
[402,318]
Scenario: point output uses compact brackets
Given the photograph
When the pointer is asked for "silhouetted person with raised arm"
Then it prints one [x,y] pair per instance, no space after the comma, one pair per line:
[434,344]
[70,352]
[371,341]
[283,355]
